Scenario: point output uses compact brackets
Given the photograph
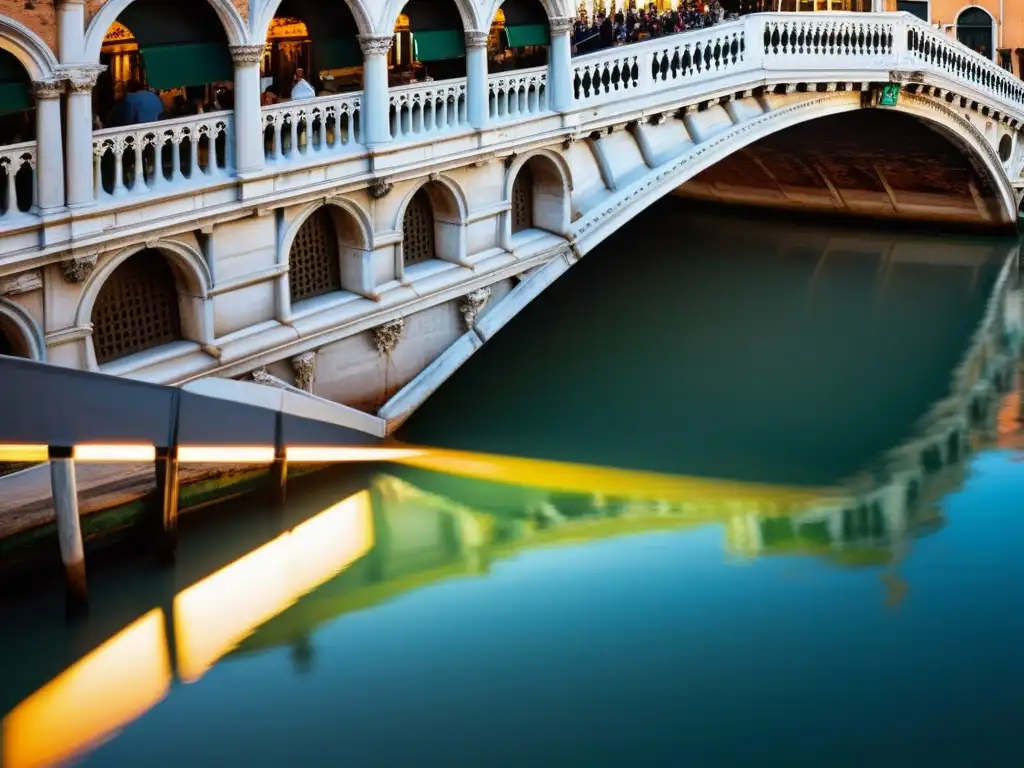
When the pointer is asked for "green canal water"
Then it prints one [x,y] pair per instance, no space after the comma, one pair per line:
[734,491]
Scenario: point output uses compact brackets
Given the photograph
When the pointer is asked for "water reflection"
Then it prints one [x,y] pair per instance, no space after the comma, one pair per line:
[471,530]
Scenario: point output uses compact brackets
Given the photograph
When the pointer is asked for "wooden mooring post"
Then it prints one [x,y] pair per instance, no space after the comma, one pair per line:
[279,469]
[168,488]
[64,491]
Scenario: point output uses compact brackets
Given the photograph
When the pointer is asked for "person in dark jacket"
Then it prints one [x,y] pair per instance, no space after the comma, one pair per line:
[607,33]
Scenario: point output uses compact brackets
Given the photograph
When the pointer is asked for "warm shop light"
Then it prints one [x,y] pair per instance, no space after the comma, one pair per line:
[225,454]
[217,613]
[318,454]
[24,453]
[93,699]
[101,453]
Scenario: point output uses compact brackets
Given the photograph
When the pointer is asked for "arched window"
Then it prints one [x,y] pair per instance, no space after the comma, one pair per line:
[520,36]
[974,29]
[418,230]
[137,308]
[17,124]
[1005,149]
[438,39]
[522,200]
[314,267]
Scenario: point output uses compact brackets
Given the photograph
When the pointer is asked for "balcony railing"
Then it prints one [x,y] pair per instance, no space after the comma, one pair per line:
[298,130]
[521,93]
[18,164]
[425,109]
[154,157]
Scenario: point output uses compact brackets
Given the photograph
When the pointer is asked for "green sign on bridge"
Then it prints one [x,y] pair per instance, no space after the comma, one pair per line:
[890,95]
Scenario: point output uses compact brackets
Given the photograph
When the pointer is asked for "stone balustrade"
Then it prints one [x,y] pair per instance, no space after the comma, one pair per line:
[513,95]
[428,109]
[297,130]
[18,164]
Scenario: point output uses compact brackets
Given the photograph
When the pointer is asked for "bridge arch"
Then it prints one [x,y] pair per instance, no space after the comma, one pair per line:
[324,250]
[432,221]
[231,22]
[546,198]
[551,8]
[28,48]
[607,217]
[466,9]
[175,281]
[20,336]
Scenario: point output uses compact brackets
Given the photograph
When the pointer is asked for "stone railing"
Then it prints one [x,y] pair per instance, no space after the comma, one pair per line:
[521,93]
[832,39]
[311,127]
[18,164]
[186,152]
[428,108]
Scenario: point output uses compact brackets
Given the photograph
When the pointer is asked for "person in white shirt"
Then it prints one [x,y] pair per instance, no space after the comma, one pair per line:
[302,89]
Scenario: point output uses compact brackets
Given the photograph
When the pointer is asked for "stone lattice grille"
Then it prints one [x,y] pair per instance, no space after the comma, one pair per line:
[522,200]
[137,308]
[418,230]
[314,268]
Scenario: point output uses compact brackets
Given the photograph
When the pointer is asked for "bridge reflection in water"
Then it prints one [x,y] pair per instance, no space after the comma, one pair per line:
[352,543]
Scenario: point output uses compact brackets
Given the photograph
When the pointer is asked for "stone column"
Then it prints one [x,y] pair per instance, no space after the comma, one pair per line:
[477,107]
[79,136]
[560,94]
[376,110]
[248,114]
[49,182]
[71,31]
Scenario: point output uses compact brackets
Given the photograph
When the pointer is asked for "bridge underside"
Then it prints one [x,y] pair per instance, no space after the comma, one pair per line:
[870,163]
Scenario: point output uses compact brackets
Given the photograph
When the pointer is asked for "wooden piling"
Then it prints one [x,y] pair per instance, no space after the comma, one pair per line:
[279,469]
[167,488]
[69,529]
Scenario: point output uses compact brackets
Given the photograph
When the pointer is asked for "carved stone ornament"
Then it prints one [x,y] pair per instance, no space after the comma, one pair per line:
[47,89]
[483,161]
[476,39]
[898,76]
[78,269]
[25,282]
[82,79]
[509,159]
[435,176]
[304,366]
[380,188]
[376,45]
[560,25]
[473,304]
[260,376]
[247,54]
[385,337]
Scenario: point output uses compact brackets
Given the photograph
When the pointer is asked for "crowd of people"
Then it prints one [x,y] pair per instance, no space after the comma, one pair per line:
[632,26]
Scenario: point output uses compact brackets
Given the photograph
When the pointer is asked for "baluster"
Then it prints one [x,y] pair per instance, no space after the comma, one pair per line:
[12,192]
[351,125]
[97,169]
[118,147]
[278,151]
[159,137]
[293,134]
[193,169]
[32,170]
[177,175]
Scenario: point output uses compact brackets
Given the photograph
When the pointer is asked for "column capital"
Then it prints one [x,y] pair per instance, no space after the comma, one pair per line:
[247,54]
[47,89]
[476,39]
[81,79]
[376,45]
[560,25]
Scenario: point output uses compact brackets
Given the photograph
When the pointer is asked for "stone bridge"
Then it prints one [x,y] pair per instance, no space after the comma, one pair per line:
[361,246]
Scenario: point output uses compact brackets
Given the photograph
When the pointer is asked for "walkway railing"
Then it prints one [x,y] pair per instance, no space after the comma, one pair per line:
[185,152]
[312,127]
[18,163]
[517,94]
[428,108]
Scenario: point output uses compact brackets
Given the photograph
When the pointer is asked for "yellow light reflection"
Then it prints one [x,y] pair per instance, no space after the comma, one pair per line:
[113,453]
[213,616]
[582,478]
[315,454]
[100,694]
[237,454]
[24,453]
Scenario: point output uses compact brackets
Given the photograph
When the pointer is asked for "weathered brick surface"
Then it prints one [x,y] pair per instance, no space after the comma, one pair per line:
[41,18]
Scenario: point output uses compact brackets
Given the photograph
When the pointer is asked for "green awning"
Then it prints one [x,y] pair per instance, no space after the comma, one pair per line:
[528,34]
[337,54]
[173,66]
[439,44]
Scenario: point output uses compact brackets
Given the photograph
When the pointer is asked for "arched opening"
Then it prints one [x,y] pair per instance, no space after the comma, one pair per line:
[317,42]
[1005,148]
[314,267]
[520,36]
[975,30]
[522,200]
[17,135]
[418,244]
[435,36]
[137,308]
[165,59]
[6,345]
[538,198]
